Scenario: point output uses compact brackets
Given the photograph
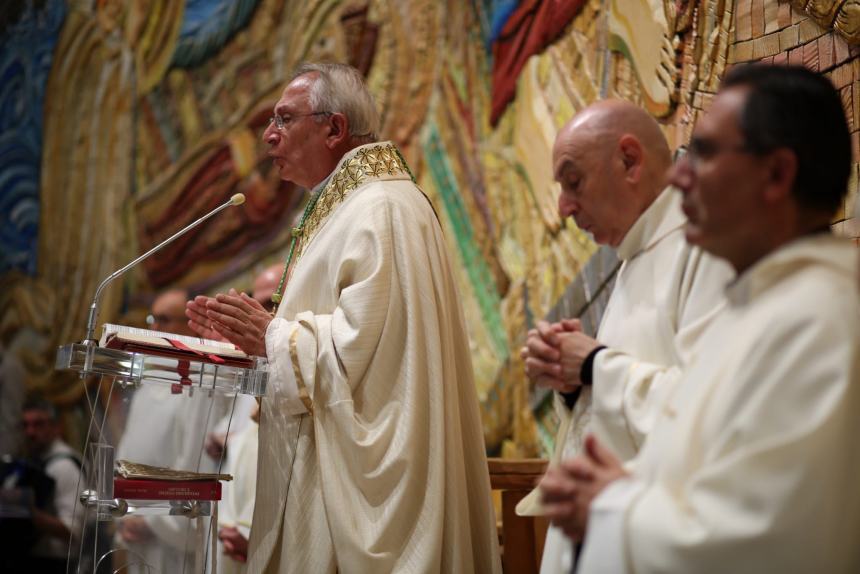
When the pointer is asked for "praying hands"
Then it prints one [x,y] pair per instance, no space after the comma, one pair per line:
[568,489]
[554,353]
[233,317]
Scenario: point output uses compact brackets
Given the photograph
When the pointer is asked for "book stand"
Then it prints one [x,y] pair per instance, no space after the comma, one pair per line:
[172,404]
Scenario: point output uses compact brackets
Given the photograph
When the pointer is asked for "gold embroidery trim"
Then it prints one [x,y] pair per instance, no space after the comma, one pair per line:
[368,164]
[304,395]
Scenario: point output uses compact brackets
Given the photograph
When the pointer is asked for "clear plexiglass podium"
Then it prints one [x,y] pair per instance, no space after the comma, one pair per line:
[163,411]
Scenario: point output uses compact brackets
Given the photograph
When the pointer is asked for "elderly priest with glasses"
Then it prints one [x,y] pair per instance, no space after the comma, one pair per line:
[371,447]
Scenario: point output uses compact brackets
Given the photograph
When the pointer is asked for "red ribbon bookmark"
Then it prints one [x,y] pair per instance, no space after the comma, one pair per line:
[208,356]
[183,366]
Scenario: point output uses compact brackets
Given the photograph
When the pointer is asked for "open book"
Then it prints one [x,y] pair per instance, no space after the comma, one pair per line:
[173,346]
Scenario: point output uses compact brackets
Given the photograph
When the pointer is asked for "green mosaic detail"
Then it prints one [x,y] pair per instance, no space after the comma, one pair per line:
[476,267]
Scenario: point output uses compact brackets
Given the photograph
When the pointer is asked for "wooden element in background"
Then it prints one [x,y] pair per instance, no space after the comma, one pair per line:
[523,537]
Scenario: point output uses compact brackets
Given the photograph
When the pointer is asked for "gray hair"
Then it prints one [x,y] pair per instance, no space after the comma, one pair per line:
[340,88]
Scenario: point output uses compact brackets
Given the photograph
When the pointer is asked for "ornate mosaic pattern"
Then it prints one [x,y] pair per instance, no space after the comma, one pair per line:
[840,15]
[26,53]
[153,111]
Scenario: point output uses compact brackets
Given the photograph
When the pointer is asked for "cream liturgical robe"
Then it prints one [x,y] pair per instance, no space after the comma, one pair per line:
[665,294]
[755,464]
[371,447]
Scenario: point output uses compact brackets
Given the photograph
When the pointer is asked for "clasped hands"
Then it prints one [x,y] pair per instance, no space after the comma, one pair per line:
[554,353]
[568,489]
[233,317]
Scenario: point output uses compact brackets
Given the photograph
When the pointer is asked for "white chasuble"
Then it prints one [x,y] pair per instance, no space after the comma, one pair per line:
[754,465]
[665,295]
[371,447]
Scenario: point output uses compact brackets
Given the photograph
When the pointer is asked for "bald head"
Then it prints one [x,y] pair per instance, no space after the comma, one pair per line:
[611,160]
[265,284]
[603,125]
[168,312]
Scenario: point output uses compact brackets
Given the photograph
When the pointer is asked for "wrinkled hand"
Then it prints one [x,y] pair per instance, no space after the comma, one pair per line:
[574,348]
[558,496]
[569,489]
[216,444]
[236,317]
[235,545]
[134,529]
[198,322]
[541,354]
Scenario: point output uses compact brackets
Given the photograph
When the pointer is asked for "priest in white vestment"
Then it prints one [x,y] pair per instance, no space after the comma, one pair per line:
[753,465]
[371,447]
[610,161]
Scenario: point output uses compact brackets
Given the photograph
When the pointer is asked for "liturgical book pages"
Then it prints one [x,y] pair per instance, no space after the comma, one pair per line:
[173,346]
[136,470]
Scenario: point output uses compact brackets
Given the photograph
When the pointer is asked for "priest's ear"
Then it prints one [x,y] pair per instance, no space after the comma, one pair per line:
[338,129]
[780,172]
[632,157]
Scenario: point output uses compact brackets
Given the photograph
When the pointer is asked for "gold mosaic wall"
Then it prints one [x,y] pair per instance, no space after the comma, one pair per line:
[146,127]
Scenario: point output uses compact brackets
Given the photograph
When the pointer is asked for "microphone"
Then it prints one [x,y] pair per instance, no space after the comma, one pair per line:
[237,199]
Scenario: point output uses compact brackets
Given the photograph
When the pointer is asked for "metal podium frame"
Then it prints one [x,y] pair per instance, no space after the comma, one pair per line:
[131,370]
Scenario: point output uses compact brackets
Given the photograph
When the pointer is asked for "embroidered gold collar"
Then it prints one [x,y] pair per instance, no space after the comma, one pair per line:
[362,165]
[374,162]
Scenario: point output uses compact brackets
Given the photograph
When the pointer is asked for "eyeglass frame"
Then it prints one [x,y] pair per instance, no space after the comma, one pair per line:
[281,124]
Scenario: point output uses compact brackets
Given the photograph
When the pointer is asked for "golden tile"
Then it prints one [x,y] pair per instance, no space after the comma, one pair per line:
[743,51]
[784,16]
[771,16]
[795,57]
[842,76]
[841,52]
[789,38]
[825,52]
[810,55]
[743,27]
[765,46]
[809,30]
[797,15]
[743,20]
[757,12]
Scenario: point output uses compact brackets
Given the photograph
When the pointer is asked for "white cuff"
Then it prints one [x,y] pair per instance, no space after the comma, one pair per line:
[605,551]
[282,376]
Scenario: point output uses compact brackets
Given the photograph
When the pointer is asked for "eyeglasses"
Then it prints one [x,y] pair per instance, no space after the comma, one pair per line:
[282,120]
[704,149]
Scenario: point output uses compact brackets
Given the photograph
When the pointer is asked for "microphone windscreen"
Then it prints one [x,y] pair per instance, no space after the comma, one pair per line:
[238,199]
